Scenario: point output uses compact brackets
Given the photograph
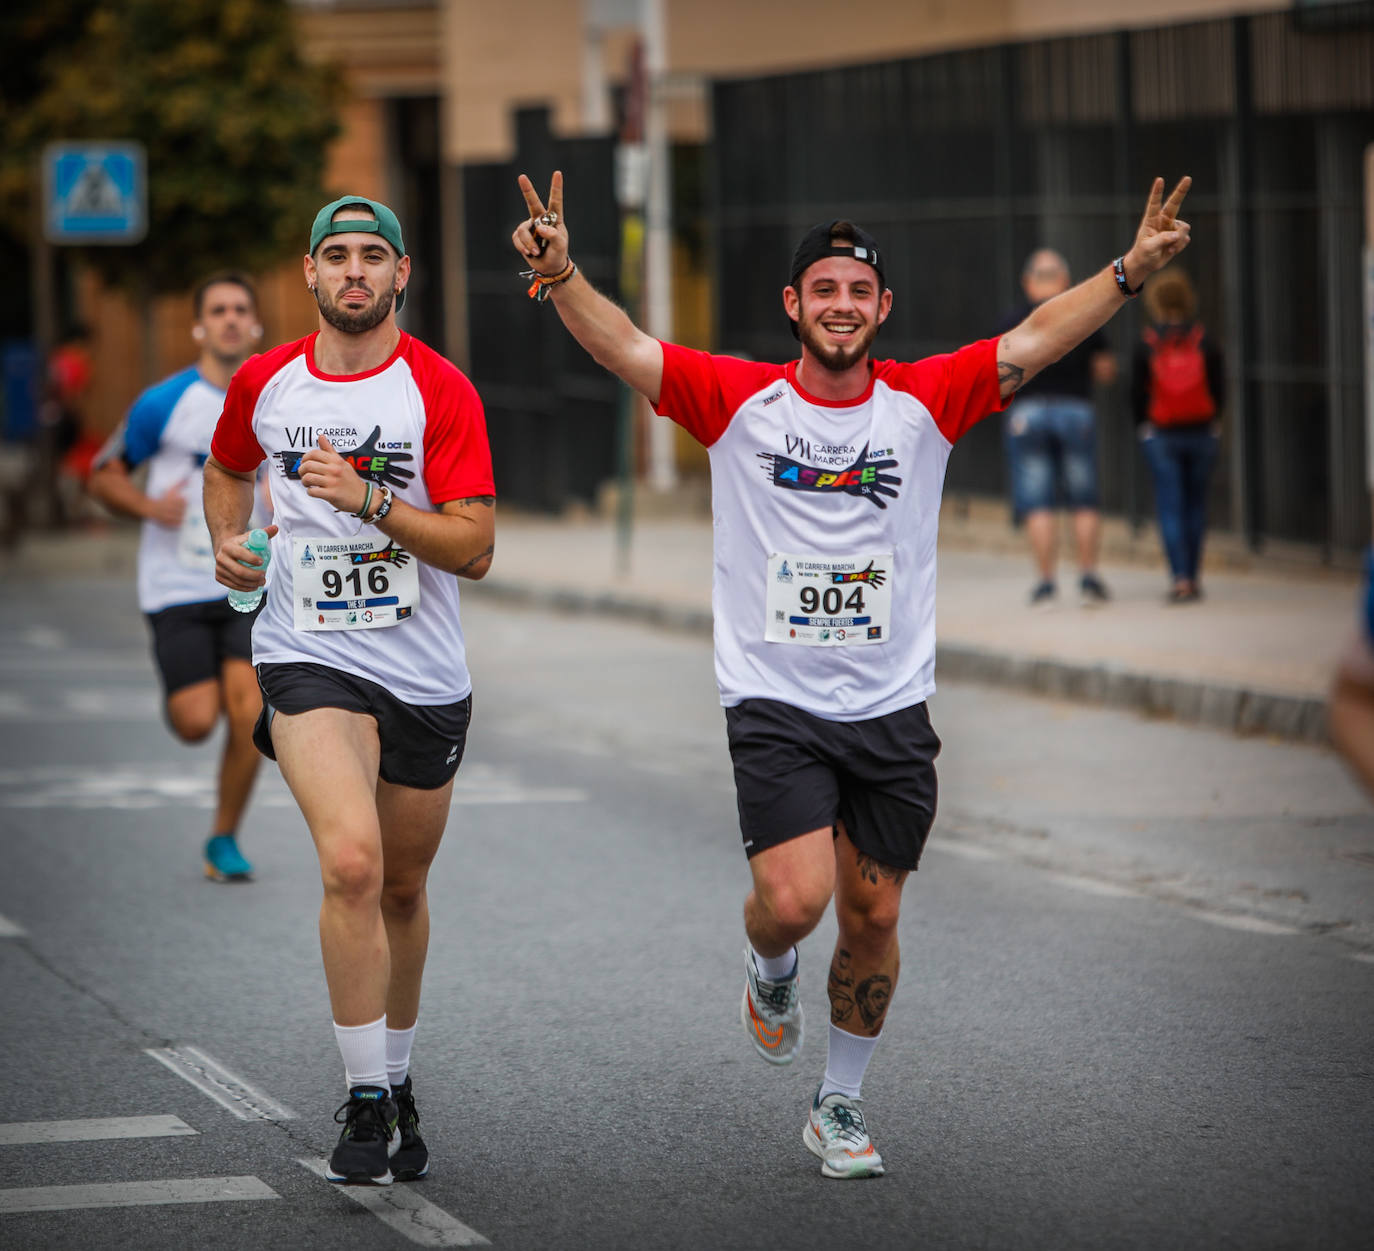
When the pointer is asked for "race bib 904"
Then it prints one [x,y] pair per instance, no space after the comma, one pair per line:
[358,583]
[829,601]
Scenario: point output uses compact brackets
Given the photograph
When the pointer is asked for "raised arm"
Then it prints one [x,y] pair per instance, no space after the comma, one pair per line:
[1062,323]
[601,327]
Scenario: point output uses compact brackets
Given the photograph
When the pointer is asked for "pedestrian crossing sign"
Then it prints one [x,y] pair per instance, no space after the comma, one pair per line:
[94,192]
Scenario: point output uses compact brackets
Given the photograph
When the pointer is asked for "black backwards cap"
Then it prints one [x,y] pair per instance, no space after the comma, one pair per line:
[816,246]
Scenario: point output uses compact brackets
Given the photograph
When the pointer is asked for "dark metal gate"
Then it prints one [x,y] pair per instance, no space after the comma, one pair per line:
[551,410]
[964,162]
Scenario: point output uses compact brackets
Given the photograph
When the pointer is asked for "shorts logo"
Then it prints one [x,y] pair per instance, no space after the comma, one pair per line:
[453,755]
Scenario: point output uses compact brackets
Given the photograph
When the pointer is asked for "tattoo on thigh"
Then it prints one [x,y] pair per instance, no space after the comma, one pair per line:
[841,987]
[871,870]
[872,995]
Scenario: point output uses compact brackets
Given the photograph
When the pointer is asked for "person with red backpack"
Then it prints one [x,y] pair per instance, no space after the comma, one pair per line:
[1177,390]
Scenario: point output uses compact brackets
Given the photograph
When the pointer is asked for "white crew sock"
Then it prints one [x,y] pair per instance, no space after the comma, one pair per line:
[845,1063]
[398,1043]
[363,1048]
[776,968]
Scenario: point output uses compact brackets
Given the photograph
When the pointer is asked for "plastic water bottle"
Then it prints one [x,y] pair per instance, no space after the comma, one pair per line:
[260,545]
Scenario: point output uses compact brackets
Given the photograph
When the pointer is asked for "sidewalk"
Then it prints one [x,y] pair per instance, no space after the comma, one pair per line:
[1255,657]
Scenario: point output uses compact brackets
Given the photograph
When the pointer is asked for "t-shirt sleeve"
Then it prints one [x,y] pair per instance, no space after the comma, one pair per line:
[235,445]
[141,432]
[959,388]
[702,392]
[457,454]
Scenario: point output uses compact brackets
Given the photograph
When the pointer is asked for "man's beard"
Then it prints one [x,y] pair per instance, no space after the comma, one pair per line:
[351,322]
[837,357]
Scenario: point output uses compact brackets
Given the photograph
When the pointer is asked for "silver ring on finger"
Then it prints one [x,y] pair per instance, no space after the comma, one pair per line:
[549,219]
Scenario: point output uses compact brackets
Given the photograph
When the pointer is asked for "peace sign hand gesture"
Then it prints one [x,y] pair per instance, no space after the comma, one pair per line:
[542,240]
[1162,236]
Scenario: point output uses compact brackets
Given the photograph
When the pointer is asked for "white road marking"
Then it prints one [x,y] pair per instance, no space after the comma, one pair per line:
[402,1207]
[227,1089]
[1251,925]
[1365,957]
[134,1194]
[94,1129]
[1091,886]
[8,929]
[82,704]
[969,851]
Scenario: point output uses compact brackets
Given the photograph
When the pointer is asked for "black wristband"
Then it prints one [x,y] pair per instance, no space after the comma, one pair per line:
[384,507]
[1119,273]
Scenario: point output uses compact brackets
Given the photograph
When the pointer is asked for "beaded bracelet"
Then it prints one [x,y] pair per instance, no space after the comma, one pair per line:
[1119,273]
[384,507]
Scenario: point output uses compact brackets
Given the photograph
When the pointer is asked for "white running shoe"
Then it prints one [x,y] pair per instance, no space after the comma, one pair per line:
[836,1132]
[771,1013]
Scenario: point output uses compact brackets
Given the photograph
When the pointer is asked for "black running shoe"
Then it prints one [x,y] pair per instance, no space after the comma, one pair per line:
[412,1156]
[368,1140]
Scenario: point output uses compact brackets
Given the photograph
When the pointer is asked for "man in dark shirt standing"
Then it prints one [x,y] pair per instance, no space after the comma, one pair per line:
[1051,435]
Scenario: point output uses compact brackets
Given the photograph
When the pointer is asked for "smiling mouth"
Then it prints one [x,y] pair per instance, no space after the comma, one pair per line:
[840,329]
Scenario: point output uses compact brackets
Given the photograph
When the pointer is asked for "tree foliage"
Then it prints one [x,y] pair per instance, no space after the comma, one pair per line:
[235,123]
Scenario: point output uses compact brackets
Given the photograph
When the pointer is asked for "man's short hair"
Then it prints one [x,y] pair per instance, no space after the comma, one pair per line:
[225,275]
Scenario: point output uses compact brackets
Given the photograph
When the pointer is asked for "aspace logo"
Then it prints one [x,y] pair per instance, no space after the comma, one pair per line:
[863,476]
[387,468]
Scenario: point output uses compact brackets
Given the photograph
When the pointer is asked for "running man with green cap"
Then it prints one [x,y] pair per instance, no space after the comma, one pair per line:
[382,486]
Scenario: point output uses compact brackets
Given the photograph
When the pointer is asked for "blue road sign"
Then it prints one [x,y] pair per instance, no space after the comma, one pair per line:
[94,192]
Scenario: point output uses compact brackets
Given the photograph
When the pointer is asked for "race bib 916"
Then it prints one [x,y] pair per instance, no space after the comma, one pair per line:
[358,583]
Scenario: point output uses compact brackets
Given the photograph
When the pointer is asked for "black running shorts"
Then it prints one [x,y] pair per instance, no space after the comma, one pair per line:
[422,744]
[795,772]
[192,641]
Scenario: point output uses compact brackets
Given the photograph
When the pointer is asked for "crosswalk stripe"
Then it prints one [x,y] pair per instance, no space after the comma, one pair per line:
[227,1089]
[93,1129]
[134,1194]
[407,1213]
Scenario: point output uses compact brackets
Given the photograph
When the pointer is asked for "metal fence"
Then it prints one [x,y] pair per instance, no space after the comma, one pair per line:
[962,163]
[551,410]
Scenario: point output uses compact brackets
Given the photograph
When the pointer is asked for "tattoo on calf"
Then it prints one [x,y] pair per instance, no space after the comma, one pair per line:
[872,995]
[1009,373]
[840,987]
[871,870]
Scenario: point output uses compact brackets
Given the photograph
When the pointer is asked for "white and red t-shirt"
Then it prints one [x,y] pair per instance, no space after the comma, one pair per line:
[415,424]
[825,522]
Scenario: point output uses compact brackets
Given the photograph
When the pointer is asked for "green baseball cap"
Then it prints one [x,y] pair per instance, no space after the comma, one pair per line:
[383,222]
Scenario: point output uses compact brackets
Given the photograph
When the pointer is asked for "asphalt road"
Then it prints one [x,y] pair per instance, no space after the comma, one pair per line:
[1135,1007]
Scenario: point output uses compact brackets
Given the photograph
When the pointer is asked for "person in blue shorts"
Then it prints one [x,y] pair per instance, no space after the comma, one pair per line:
[1051,441]
[201,646]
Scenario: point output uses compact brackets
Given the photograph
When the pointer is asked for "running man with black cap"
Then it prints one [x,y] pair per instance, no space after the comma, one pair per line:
[381,479]
[826,479]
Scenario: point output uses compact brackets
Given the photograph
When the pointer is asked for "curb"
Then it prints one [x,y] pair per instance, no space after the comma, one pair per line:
[1238,710]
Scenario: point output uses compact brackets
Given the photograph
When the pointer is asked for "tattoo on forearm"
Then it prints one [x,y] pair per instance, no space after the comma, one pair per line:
[476,560]
[1010,375]
[872,996]
[871,870]
[840,987]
